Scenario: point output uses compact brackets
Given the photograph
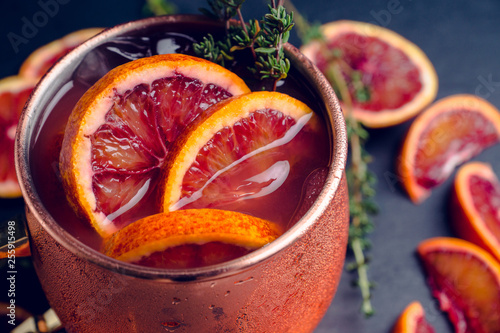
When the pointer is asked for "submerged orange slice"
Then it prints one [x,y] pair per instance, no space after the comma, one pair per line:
[245,148]
[388,77]
[190,238]
[412,320]
[39,62]
[475,207]
[450,132]
[120,131]
[14,92]
[466,281]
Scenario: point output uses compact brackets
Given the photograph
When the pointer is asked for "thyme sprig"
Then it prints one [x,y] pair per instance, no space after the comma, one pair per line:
[359,178]
[264,39]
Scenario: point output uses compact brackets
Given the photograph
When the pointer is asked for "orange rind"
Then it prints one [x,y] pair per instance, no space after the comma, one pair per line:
[412,320]
[148,239]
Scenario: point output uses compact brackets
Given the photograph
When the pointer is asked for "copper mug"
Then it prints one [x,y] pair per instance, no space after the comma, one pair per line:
[286,286]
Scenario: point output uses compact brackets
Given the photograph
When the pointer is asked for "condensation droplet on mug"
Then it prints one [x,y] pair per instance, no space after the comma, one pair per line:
[227,293]
[237,283]
[211,307]
[175,301]
[212,285]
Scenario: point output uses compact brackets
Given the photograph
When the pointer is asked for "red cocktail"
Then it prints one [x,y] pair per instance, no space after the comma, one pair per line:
[293,277]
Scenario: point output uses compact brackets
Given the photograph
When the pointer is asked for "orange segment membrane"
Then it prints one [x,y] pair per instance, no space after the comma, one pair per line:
[486,198]
[392,78]
[450,139]
[130,148]
[471,297]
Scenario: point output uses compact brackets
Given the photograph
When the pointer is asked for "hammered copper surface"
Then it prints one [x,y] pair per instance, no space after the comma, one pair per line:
[285,287]
[288,293]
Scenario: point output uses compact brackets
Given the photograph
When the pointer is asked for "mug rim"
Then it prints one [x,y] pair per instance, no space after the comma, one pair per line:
[29,118]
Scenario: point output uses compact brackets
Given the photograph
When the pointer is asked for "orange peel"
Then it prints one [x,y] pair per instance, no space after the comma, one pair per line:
[159,232]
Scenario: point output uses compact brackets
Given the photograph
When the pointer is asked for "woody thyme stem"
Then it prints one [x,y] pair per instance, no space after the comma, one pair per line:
[359,168]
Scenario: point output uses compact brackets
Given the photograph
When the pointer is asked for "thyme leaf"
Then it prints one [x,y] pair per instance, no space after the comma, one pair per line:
[264,39]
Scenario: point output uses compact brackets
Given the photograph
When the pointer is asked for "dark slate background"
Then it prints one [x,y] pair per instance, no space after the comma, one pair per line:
[460,37]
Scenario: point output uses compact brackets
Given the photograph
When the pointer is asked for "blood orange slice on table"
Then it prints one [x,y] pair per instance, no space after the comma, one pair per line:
[190,238]
[475,206]
[389,79]
[450,132]
[412,320]
[120,131]
[466,281]
[39,62]
[256,146]
[14,92]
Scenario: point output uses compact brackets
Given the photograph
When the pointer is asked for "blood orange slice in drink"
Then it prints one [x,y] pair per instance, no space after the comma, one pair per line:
[466,281]
[448,133]
[475,206]
[389,78]
[190,238]
[14,92]
[39,62]
[246,147]
[412,320]
[120,131]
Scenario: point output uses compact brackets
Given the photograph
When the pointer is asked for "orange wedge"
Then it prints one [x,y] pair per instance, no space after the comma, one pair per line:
[388,77]
[120,131]
[466,281]
[475,206]
[412,320]
[450,132]
[190,238]
[244,149]
[14,92]
[39,62]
